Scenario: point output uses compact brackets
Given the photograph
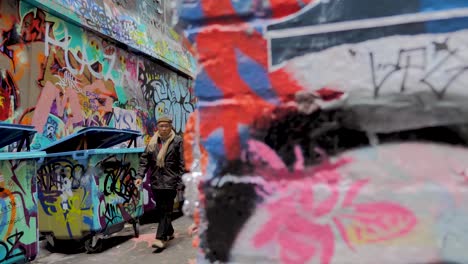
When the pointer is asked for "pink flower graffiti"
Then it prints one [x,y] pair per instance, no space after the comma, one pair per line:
[306,209]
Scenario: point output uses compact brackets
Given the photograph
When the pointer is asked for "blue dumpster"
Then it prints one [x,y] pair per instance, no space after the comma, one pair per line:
[86,188]
[18,207]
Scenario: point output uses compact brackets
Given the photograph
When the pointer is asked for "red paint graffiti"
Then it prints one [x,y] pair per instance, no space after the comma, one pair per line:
[217,54]
[33,26]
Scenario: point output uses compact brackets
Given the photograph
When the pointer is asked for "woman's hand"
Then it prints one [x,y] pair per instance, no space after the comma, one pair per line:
[138,182]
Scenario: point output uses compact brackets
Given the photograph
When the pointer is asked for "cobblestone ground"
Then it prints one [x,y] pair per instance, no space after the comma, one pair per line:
[124,248]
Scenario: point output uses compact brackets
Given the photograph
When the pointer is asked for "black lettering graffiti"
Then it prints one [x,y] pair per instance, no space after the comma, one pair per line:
[122,3]
[437,73]
[403,63]
[112,214]
[166,94]
[4,209]
[51,176]
[95,15]
[119,179]
[12,248]
[14,222]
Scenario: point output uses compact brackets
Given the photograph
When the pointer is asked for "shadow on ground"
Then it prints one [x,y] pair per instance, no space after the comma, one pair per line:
[69,247]
[72,247]
[115,241]
[151,217]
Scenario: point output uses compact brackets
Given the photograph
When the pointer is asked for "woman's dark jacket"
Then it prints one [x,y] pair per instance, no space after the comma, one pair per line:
[169,177]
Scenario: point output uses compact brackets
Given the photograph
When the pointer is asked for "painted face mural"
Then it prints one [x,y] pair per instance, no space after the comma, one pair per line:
[59,77]
[335,130]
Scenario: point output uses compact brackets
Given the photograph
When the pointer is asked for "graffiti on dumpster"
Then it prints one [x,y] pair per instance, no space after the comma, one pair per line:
[112,214]
[59,172]
[63,194]
[18,217]
[121,197]
[11,248]
[93,195]
[119,179]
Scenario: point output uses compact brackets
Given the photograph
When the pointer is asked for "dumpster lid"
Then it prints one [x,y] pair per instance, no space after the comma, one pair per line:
[93,138]
[10,133]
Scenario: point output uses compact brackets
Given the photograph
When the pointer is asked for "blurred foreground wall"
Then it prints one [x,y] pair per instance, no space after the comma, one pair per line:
[335,130]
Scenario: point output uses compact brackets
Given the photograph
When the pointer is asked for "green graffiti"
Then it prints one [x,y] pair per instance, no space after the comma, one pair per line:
[18,208]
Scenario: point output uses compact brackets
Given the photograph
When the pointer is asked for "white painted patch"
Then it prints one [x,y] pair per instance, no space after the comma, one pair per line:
[390,66]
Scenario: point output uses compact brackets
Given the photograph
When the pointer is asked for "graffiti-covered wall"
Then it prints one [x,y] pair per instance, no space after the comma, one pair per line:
[144,25]
[336,130]
[60,78]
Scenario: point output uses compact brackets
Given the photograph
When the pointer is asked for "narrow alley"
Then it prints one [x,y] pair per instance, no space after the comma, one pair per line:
[124,248]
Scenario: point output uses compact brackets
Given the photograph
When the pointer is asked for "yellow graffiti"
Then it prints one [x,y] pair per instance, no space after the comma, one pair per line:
[160,108]
[152,76]
[165,47]
[358,233]
[174,34]
[138,37]
[75,211]
[422,235]
[157,47]
[63,214]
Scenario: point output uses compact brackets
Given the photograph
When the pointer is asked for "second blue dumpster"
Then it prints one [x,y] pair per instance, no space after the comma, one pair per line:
[86,188]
